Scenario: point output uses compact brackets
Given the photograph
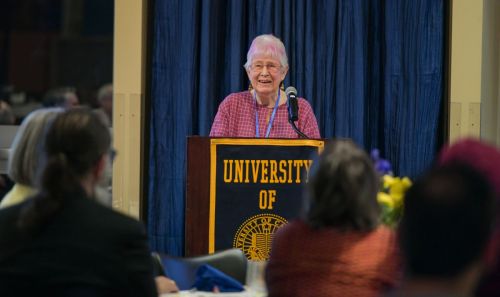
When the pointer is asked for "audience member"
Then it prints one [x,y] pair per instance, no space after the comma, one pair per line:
[485,158]
[105,114]
[6,115]
[61,241]
[105,100]
[64,97]
[26,155]
[445,232]
[6,118]
[339,248]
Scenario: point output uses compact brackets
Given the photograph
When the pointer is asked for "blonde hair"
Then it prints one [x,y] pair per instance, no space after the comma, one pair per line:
[27,149]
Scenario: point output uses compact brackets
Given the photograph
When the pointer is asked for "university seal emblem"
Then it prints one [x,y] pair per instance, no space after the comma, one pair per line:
[255,235]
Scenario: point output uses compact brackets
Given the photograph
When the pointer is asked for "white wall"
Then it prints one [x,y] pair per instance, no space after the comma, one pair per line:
[129,70]
[490,123]
[465,76]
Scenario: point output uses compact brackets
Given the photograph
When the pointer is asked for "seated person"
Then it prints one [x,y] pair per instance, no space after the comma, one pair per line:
[6,118]
[105,100]
[26,155]
[62,242]
[445,232]
[6,115]
[64,97]
[338,248]
[485,158]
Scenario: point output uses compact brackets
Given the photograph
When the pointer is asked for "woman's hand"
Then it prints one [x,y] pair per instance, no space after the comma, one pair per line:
[165,285]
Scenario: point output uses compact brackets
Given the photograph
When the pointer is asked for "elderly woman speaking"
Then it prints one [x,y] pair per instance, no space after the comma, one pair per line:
[262,111]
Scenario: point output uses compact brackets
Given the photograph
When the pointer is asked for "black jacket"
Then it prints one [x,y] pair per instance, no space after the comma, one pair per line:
[86,249]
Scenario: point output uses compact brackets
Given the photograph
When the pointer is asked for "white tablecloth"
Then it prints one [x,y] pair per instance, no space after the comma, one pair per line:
[208,294]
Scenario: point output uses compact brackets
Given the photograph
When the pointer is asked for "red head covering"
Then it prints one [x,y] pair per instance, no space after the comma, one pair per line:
[483,157]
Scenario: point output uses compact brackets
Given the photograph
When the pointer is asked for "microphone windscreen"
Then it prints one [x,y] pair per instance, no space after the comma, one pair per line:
[291,90]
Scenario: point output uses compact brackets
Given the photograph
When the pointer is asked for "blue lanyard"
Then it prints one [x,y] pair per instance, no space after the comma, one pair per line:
[257,134]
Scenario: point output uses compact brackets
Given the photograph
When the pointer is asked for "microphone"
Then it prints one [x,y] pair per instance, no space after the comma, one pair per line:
[293,106]
[293,110]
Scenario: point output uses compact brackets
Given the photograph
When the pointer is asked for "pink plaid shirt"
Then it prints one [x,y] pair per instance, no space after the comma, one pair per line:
[236,118]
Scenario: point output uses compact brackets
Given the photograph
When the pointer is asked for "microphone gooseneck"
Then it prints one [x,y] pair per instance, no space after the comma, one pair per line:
[293,109]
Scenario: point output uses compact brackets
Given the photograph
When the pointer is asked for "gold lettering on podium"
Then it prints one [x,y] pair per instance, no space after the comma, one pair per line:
[266,171]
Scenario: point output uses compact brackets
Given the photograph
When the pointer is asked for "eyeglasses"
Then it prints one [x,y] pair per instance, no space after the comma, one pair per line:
[271,67]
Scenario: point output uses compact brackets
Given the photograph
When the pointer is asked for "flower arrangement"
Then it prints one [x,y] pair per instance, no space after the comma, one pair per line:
[392,191]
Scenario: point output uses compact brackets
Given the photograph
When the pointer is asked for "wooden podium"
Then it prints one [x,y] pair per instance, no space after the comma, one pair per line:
[239,191]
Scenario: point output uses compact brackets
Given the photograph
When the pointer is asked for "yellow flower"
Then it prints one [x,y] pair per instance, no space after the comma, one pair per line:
[388,181]
[406,182]
[385,199]
[398,189]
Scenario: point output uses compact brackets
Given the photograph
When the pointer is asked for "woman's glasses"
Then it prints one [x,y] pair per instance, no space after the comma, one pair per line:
[271,67]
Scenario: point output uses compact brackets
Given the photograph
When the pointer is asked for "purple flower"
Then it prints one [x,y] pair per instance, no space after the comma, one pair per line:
[381,165]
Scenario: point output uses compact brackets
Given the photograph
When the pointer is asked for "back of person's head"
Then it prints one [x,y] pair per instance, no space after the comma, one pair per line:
[76,142]
[343,189]
[27,150]
[105,93]
[64,97]
[478,154]
[7,117]
[447,221]
[105,100]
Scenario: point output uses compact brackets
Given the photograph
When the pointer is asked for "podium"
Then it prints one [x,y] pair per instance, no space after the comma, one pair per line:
[239,191]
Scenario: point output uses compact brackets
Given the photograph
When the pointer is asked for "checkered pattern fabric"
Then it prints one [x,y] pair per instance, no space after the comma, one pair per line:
[332,263]
[236,118]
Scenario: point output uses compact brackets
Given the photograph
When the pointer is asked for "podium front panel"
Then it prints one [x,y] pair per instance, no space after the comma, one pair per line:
[255,187]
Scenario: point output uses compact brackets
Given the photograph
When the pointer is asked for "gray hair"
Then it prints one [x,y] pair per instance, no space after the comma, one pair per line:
[27,151]
[268,45]
[343,189]
[104,92]
[7,117]
[57,97]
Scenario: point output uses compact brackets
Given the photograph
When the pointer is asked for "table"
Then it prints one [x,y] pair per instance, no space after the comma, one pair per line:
[192,293]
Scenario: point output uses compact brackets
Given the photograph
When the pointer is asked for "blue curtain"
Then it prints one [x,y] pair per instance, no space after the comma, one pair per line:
[372,70]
